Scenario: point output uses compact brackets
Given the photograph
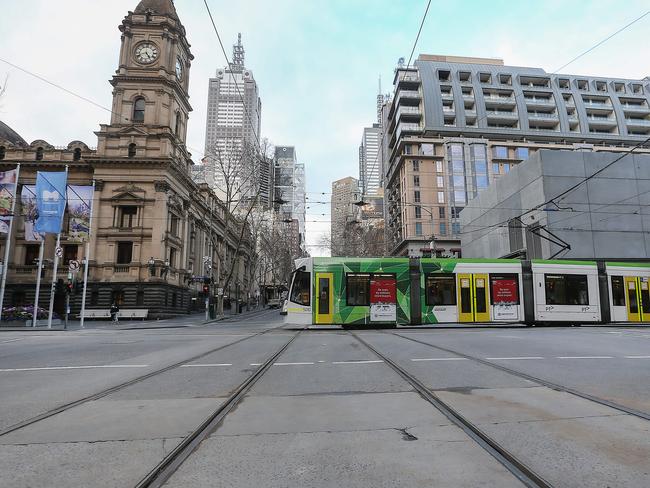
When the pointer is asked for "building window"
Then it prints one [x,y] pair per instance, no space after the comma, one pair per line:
[522,153]
[139,298]
[441,197]
[618,291]
[416,165]
[132,150]
[500,152]
[416,180]
[439,167]
[39,154]
[31,254]
[138,110]
[172,258]
[441,212]
[301,288]
[495,168]
[70,253]
[124,252]
[407,149]
[426,149]
[418,212]
[506,167]
[76,156]
[416,196]
[128,217]
[455,228]
[418,228]
[440,290]
[481,181]
[440,180]
[566,289]
[177,126]
[357,290]
[174,224]
[443,229]
[3,152]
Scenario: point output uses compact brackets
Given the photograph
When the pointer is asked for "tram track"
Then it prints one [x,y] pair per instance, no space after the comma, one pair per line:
[519,469]
[121,386]
[158,476]
[549,384]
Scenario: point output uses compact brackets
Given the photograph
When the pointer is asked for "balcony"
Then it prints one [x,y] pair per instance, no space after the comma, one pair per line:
[635,108]
[408,80]
[405,128]
[409,97]
[499,100]
[542,115]
[501,115]
[638,122]
[597,103]
[539,102]
[447,96]
[601,121]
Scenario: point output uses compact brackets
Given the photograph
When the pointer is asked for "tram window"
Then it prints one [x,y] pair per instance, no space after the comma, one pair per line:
[566,289]
[440,290]
[301,289]
[618,291]
[357,290]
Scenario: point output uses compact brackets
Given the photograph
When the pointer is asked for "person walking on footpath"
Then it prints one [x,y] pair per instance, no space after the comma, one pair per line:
[114,310]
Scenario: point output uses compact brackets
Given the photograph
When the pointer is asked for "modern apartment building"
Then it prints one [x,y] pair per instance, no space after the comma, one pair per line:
[290,189]
[370,162]
[455,124]
[234,115]
[345,194]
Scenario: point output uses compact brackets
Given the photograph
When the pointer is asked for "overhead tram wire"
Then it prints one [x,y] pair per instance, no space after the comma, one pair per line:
[598,44]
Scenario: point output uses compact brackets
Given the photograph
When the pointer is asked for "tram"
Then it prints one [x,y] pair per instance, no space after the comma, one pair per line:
[426,291]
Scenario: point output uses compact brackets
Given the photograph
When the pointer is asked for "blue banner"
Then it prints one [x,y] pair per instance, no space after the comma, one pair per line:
[50,201]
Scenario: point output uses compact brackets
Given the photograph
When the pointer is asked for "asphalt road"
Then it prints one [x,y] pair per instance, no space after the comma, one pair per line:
[328,412]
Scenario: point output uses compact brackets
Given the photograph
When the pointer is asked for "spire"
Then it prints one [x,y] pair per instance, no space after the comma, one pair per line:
[238,54]
[157,7]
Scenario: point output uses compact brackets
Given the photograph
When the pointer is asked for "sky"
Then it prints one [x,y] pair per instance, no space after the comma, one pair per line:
[317,63]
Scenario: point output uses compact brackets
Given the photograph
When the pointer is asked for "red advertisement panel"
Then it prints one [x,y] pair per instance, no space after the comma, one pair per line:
[383,290]
[504,291]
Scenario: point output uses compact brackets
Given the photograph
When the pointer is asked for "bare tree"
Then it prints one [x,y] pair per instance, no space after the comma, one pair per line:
[358,239]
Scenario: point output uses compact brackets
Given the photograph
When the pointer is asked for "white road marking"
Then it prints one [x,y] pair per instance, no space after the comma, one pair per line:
[515,359]
[204,365]
[61,368]
[636,357]
[11,340]
[358,362]
[290,364]
[439,359]
[584,357]
[256,364]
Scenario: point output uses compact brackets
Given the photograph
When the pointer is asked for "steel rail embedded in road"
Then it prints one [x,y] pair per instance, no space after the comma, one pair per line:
[522,472]
[113,389]
[526,376]
[166,468]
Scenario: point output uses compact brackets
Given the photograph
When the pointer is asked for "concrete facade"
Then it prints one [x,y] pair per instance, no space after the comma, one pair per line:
[605,217]
[344,212]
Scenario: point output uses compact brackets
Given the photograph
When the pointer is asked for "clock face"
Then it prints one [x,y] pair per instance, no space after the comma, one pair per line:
[146,53]
[179,68]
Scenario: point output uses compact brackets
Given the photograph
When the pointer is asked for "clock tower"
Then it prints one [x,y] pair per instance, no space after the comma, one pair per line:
[150,106]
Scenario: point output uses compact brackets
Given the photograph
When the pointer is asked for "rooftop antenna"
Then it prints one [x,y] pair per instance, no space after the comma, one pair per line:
[238,54]
[380,103]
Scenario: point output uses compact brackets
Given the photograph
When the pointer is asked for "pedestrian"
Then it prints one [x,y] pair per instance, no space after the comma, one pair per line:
[114,311]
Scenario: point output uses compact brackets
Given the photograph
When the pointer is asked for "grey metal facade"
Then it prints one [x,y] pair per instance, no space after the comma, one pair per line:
[605,217]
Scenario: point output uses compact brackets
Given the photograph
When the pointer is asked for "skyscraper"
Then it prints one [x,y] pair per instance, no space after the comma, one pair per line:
[234,116]
[370,164]
[290,188]
[345,193]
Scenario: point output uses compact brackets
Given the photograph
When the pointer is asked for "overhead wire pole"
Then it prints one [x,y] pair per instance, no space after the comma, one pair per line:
[87,260]
[5,267]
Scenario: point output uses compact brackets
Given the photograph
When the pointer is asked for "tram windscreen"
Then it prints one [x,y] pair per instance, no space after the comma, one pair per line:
[301,288]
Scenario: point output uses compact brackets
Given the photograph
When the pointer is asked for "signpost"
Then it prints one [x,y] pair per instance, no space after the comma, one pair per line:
[73,265]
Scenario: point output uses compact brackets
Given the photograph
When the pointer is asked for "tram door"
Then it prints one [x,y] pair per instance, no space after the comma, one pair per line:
[473,298]
[324,298]
[637,299]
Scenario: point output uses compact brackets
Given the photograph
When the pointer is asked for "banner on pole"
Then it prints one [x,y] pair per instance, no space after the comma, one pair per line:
[7,195]
[79,209]
[29,212]
[50,201]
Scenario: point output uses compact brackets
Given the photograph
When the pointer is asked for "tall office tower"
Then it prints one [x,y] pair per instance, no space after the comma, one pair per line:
[344,212]
[290,189]
[370,162]
[456,124]
[234,118]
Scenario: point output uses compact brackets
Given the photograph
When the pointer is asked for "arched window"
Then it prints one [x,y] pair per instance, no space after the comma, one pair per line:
[39,154]
[3,152]
[138,110]
[77,155]
[132,150]
[177,128]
